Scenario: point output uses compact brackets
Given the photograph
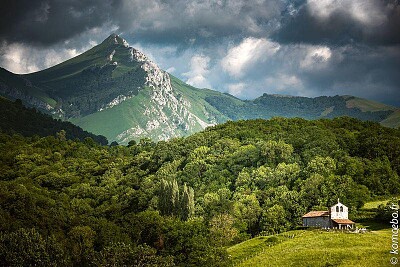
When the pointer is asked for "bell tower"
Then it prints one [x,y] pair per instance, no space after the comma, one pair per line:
[339,211]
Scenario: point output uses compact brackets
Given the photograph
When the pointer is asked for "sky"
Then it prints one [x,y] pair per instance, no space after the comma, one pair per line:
[246,48]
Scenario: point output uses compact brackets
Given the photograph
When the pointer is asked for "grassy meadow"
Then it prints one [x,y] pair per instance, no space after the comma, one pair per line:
[320,248]
[315,248]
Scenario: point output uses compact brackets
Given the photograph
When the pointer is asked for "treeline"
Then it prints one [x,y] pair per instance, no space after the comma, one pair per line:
[181,202]
[18,119]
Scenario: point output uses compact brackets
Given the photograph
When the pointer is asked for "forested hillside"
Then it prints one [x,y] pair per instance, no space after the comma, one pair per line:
[182,202]
[17,119]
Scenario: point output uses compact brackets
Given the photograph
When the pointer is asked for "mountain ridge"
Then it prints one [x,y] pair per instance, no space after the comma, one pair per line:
[116,91]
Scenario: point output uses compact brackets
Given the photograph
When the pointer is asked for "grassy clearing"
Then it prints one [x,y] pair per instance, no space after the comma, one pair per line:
[315,248]
[374,204]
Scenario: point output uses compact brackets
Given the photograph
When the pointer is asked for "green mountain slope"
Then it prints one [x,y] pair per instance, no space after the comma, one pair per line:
[268,106]
[393,120]
[88,82]
[15,86]
[15,118]
[177,112]
[116,91]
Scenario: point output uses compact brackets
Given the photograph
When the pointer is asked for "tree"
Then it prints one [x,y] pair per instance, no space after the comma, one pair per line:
[172,203]
[121,254]
[82,238]
[131,143]
[321,165]
[27,247]
[246,210]
[114,143]
[61,135]
[275,151]
[273,219]
[187,202]
[222,229]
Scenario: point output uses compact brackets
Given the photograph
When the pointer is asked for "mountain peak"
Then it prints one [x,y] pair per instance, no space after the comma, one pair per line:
[115,39]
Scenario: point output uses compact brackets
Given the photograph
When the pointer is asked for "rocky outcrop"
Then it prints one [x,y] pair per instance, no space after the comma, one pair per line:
[168,114]
[15,93]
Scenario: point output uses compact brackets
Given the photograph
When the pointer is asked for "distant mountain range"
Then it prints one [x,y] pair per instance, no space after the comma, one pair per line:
[114,90]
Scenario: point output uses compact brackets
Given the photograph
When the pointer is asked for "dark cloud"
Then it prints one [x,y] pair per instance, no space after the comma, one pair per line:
[180,22]
[369,72]
[297,47]
[48,22]
[197,22]
[312,70]
[343,22]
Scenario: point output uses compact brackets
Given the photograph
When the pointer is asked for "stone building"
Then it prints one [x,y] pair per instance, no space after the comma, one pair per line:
[335,217]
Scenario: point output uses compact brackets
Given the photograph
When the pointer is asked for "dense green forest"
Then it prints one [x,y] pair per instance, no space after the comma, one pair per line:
[16,118]
[182,202]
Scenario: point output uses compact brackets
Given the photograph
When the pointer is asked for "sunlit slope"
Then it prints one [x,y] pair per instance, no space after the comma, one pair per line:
[157,115]
[315,248]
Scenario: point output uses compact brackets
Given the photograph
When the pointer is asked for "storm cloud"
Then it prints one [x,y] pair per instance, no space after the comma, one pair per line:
[246,48]
[48,22]
[342,22]
[157,21]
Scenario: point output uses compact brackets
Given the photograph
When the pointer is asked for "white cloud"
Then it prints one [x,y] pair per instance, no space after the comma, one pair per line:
[248,53]
[170,70]
[53,57]
[285,83]
[198,71]
[236,89]
[16,58]
[316,57]
[24,58]
[158,54]
[367,12]
[92,43]
[19,58]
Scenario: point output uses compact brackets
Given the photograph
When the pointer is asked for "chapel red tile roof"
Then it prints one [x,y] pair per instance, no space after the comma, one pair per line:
[321,213]
[343,221]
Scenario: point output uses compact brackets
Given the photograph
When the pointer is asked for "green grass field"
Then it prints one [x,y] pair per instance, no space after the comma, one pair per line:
[374,204]
[315,248]
[320,248]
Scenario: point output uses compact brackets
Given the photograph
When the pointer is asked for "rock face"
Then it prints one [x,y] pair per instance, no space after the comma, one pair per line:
[137,55]
[116,101]
[168,112]
[17,93]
